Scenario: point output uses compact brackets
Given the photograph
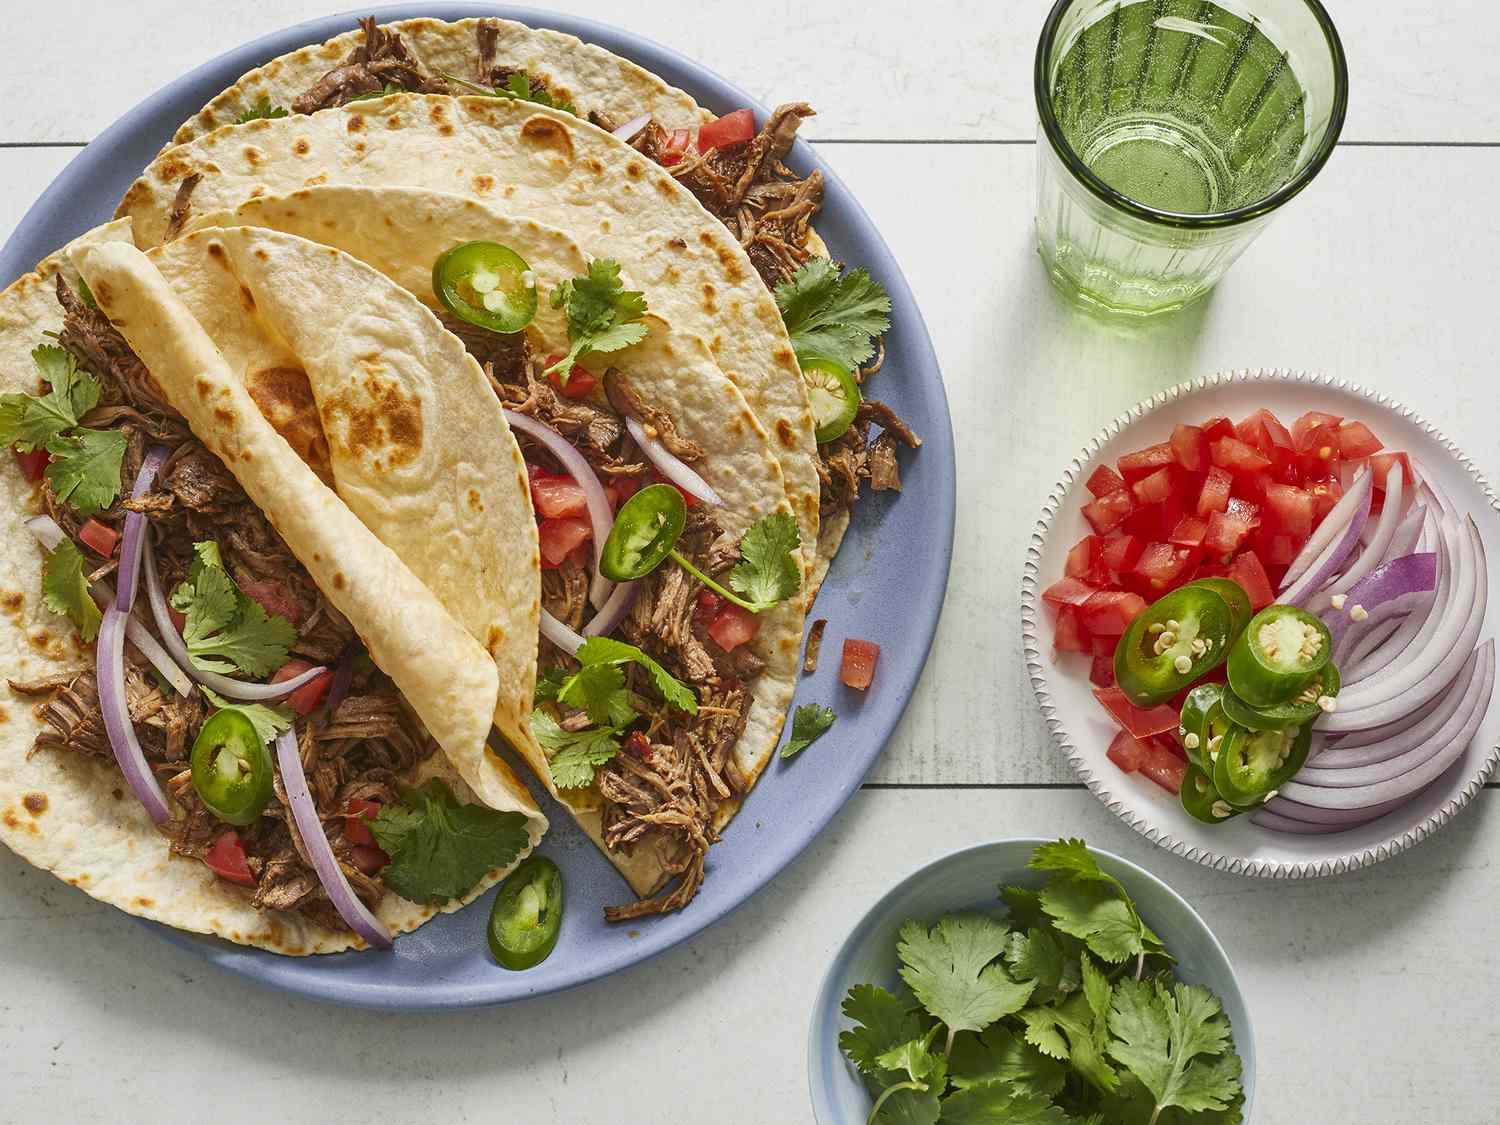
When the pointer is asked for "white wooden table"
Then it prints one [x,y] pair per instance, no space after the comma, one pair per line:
[1374,995]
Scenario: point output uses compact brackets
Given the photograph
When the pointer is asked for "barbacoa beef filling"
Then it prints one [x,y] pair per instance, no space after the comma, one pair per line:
[355,753]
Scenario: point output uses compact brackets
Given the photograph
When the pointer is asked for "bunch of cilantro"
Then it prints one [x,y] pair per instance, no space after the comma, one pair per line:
[1064,1013]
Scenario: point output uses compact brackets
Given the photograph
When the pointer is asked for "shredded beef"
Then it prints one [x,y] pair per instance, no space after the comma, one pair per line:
[382,59]
[657,423]
[814,645]
[181,205]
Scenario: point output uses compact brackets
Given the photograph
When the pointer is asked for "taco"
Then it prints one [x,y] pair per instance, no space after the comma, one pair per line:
[526,149]
[712,682]
[239,602]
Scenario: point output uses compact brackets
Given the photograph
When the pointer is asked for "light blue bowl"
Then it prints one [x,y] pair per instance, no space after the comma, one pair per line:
[971,879]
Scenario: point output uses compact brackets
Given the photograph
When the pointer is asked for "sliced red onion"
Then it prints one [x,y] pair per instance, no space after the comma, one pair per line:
[1427,672]
[1361,644]
[1371,735]
[601,517]
[1332,524]
[1276,822]
[135,529]
[1325,567]
[354,912]
[46,531]
[1444,501]
[1375,550]
[673,468]
[1332,818]
[1412,633]
[1436,759]
[560,635]
[109,666]
[1397,588]
[1408,533]
[613,611]
[632,127]
[226,686]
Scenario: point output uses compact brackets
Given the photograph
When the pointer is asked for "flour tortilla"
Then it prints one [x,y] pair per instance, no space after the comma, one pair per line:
[75,817]
[401,232]
[548,166]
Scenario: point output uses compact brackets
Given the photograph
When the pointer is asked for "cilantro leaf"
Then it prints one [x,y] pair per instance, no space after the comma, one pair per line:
[769,569]
[603,316]
[65,589]
[833,316]
[1025,906]
[226,631]
[908,1103]
[516,88]
[441,849]
[1159,1035]
[607,650]
[576,753]
[261,109]
[810,723]
[1086,902]
[916,1059]
[951,970]
[549,683]
[385,91]
[600,690]
[29,422]
[268,719]
[1070,1033]
[999,1055]
[85,468]
[882,1021]
[1036,955]
[999,1103]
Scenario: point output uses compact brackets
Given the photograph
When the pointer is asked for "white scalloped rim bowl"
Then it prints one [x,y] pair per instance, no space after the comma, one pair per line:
[1083,729]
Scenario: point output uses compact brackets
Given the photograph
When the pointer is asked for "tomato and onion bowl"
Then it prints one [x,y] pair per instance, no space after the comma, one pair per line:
[1071,704]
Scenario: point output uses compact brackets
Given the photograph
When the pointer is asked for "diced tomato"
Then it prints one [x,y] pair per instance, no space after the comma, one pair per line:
[1381,464]
[1286,465]
[1217,427]
[1070,635]
[559,537]
[1168,514]
[1104,480]
[1190,448]
[1144,523]
[1105,513]
[100,537]
[1326,495]
[1214,496]
[707,607]
[1273,549]
[1120,552]
[732,129]
[1144,462]
[368,858]
[1316,430]
[1189,532]
[307,697]
[1169,743]
[32,465]
[1249,573]
[226,859]
[1237,456]
[357,817]
[1163,767]
[1292,509]
[1140,722]
[580,383]
[1102,670]
[680,142]
[1068,591]
[1153,489]
[1356,440]
[733,626]
[1228,529]
[858,667]
[275,599]
[1252,433]
[1162,565]
[1275,432]
[621,489]
[1110,612]
[179,620]
[557,495]
[1126,752]
[1086,561]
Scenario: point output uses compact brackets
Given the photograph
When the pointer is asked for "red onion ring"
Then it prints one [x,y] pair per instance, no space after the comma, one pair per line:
[1416,629]
[1326,566]
[226,686]
[673,468]
[601,516]
[1375,550]
[560,635]
[613,611]
[354,912]
[1333,523]
[1395,588]
[1276,822]
[1332,818]
[631,127]
[135,530]
[109,667]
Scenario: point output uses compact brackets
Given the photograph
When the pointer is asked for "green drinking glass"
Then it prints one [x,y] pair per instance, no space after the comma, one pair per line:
[1169,133]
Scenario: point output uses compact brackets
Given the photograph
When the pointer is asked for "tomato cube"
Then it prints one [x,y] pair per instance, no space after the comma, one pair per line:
[226,859]
[1214,496]
[100,537]
[1120,552]
[1163,767]
[555,496]
[1326,495]
[1356,440]
[1190,448]
[1109,612]
[1068,591]
[1291,509]
[733,626]
[1228,529]
[1105,513]
[1102,669]
[1276,550]
[1070,635]
[1314,430]
[33,465]
[1154,488]
[1253,433]
[1217,427]
[1381,464]
[1104,480]
[1274,431]
[1163,565]
[357,817]
[731,129]
[1144,462]
[1286,465]
[1140,722]
[1249,573]
[305,699]
[1237,456]
[1126,752]
[1168,514]
[1189,532]
[368,858]
[1085,560]
[575,382]
[858,668]
[559,537]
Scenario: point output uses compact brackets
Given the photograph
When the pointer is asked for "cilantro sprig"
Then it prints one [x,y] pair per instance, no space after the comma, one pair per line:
[603,316]
[810,723]
[440,848]
[65,589]
[768,571]
[1040,1016]
[226,631]
[261,110]
[832,315]
[517,88]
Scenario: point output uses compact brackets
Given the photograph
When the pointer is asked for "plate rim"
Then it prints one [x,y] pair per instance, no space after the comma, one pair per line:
[1036,665]
[288,974]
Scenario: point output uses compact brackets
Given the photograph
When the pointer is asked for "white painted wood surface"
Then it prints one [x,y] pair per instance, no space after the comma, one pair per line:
[1372,995]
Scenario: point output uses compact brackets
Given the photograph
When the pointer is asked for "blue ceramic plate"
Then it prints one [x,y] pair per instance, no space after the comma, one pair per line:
[969,879]
[887,584]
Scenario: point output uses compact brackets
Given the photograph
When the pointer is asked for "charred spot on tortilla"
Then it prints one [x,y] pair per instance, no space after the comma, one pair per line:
[483,183]
[9,817]
[355,123]
[261,254]
[12,601]
[216,252]
[677,243]
[634,169]
[145,902]
[247,299]
[301,146]
[785,434]
[394,121]
[475,501]
[284,395]
[173,169]
[338,580]
[34,803]
[595,166]
[546,133]
[253,155]
[383,422]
